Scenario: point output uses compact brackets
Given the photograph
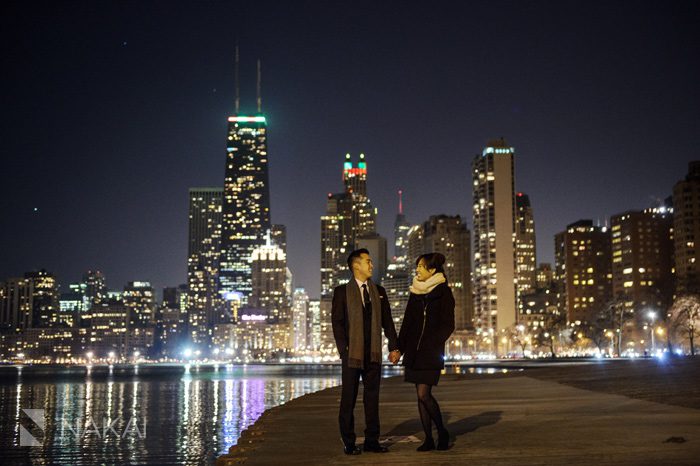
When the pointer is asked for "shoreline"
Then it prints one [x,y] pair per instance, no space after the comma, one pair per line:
[9,372]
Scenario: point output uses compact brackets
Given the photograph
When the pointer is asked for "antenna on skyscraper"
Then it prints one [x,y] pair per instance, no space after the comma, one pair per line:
[259,95]
[400,203]
[238,84]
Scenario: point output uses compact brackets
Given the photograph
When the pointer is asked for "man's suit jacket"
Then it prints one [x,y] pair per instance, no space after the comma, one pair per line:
[339,318]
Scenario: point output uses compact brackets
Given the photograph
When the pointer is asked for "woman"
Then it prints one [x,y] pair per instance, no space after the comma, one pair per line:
[428,322]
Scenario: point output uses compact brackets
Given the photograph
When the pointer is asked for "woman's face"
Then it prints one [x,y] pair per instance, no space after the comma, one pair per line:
[422,273]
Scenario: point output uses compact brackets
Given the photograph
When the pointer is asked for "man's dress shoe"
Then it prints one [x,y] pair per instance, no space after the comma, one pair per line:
[375,448]
[351,450]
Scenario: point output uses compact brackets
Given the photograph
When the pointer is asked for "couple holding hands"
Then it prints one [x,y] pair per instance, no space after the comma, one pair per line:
[360,311]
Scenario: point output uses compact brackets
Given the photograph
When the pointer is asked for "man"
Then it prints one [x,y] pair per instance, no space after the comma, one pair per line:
[360,310]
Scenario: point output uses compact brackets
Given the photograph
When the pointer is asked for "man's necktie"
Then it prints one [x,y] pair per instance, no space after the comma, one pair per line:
[365,296]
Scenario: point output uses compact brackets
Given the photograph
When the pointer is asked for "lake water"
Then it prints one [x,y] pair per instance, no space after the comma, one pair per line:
[186,419]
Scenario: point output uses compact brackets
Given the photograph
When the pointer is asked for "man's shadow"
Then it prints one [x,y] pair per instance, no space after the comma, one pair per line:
[457,428]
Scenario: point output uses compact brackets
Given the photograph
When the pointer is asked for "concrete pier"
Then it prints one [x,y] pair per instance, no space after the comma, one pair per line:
[610,413]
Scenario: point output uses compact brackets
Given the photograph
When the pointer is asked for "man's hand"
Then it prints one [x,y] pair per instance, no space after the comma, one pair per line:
[394,356]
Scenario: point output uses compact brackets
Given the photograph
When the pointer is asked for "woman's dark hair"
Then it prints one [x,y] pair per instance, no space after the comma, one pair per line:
[433,260]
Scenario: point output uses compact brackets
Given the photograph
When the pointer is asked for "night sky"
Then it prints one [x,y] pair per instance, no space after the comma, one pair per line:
[112,110]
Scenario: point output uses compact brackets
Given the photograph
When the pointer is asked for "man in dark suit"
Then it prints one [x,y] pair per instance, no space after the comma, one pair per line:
[360,311]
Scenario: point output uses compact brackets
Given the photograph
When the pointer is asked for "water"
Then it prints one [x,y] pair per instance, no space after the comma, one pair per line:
[185,419]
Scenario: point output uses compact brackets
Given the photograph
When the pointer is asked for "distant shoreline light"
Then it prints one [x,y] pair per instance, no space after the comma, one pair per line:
[247,119]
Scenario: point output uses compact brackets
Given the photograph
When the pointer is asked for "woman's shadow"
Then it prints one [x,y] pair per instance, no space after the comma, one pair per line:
[457,428]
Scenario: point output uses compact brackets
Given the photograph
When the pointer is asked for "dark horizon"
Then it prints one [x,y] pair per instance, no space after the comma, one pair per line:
[112,111]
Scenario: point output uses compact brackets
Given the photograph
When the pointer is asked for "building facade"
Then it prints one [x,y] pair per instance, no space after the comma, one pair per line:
[495,277]
[525,245]
[642,259]
[246,203]
[686,231]
[583,263]
[204,303]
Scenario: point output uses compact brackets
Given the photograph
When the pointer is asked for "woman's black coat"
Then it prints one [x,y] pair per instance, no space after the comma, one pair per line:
[431,315]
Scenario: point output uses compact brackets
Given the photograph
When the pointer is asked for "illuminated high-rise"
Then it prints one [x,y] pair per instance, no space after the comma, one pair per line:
[494,237]
[204,246]
[269,280]
[16,304]
[246,203]
[95,287]
[46,307]
[583,270]
[397,279]
[302,324]
[642,258]
[140,298]
[686,231]
[525,247]
[401,228]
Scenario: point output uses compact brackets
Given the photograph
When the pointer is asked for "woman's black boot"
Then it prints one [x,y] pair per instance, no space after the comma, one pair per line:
[443,440]
[428,445]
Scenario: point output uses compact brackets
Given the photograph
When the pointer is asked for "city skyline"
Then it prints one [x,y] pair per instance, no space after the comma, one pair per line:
[612,144]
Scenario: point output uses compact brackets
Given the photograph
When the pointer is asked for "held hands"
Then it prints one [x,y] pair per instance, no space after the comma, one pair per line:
[394,356]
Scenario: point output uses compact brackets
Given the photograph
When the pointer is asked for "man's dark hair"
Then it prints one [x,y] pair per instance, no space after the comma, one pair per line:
[355,255]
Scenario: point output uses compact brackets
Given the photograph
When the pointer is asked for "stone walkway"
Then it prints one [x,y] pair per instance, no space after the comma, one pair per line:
[494,420]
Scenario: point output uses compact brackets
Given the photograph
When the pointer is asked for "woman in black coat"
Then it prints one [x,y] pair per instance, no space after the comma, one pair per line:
[428,322]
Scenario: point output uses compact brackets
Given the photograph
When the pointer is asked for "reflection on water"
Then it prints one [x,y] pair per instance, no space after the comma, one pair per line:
[177,419]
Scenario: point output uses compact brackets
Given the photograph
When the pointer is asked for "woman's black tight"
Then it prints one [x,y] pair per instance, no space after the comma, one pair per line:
[429,410]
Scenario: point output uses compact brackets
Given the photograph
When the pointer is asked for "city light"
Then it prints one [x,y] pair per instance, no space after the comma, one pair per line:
[247,119]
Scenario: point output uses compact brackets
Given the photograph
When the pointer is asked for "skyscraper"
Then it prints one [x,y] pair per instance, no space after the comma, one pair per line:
[46,308]
[334,241]
[315,317]
[246,202]
[686,229]
[269,266]
[16,304]
[525,246]
[545,275]
[583,265]
[397,280]
[96,286]
[140,298]
[363,214]
[302,324]
[494,237]
[401,228]
[642,258]
[203,299]
[278,236]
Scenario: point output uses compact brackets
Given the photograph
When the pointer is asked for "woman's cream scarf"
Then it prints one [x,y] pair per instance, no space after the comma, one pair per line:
[427,286]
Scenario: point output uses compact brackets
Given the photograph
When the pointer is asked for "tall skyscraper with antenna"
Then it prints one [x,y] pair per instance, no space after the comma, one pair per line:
[246,197]
[398,276]
[401,228]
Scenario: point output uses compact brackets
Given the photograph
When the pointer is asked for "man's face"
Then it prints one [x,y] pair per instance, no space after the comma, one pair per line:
[362,267]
